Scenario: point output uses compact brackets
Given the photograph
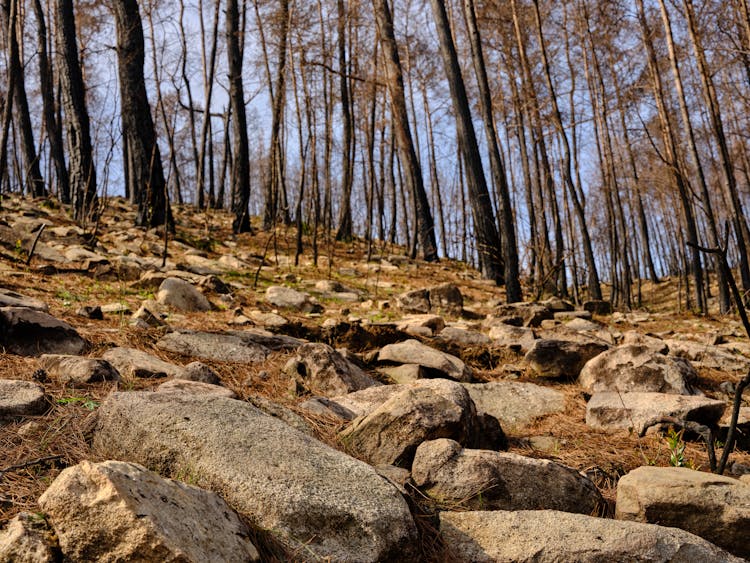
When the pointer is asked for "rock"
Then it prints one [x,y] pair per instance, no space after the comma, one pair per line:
[195,388]
[289,298]
[708,356]
[487,480]
[211,346]
[28,539]
[259,336]
[282,413]
[462,337]
[640,339]
[76,370]
[550,536]
[327,408]
[147,317]
[715,507]
[10,298]
[514,404]
[324,370]
[639,411]
[598,307]
[117,511]
[513,337]
[197,371]
[269,320]
[28,332]
[182,296]
[405,373]
[447,299]
[314,498]
[415,301]
[561,358]
[437,363]
[429,409]
[412,323]
[637,368]
[130,363]
[523,314]
[557,305]
[331,286]
[21,398]
[582,325]
[563,316]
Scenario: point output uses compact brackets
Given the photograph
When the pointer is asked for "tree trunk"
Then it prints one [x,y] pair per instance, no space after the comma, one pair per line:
[146,175]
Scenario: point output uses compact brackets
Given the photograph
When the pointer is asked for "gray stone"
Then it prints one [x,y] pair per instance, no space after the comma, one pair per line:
[147,316]
[415,301]
[77,370]
[463,337]
[488,480]
[513,337]
[715,507]
[561,358]
[261,337]
[637,368]
[131,362]
[28,332]
[270,320]
[118,511]
[583,325]
[429,409]
[323,370]
[282,413]
[563,316]
[289,298]
[523,314]
[639,339]
[515,404]
[405,373]
[211,346]
[447,299]
[414,352]
[550,536]
[408,324]
[314,498]
[705,355]
[21,398]
[181,295]
[10,298]
[195,388]
[28,539]
[198,371]
[639,411]
[327,408]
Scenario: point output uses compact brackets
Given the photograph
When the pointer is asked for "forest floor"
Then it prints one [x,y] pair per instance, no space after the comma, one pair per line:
[33,451]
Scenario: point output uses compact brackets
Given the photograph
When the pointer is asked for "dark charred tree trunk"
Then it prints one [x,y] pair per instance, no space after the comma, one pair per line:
[145,173]
[241,159]
[77,128]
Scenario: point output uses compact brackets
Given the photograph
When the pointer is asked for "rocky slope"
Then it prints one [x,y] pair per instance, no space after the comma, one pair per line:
[209,400]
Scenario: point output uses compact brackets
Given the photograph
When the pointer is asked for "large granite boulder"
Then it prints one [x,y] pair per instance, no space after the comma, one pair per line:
[317,500]
[714,507]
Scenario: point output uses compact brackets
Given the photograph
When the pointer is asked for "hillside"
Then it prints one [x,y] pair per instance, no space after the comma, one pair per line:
[113,291]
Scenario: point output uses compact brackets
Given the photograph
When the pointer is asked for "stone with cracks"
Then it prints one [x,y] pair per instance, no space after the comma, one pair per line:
[639,411]
[21,398]
[324,370]
[28,332]
[182,295]
[438,363]
[715,507]
[198,371]
[551,536]
[131,362]
[431,409]
[118,511]
[213,346]
[28,539]
[561,358]
[77,370]
[488,480]
[316,499]
[637,368]
[515,404]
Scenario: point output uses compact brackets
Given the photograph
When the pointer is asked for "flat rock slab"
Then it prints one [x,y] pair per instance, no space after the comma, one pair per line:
[28,332]
[213,346]
[317,500]
[118,511]
[561,358]
[637,368]
[77,370]
[288,298]
[28,539]
[488,480]
[550,536]
[414,352]
[10,298]
[131,362]
[195,388]
[714,507]
[515,404]
[639,411]
[21,398]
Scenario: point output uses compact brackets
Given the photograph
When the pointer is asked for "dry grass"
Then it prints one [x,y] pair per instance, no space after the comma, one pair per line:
[61,437]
